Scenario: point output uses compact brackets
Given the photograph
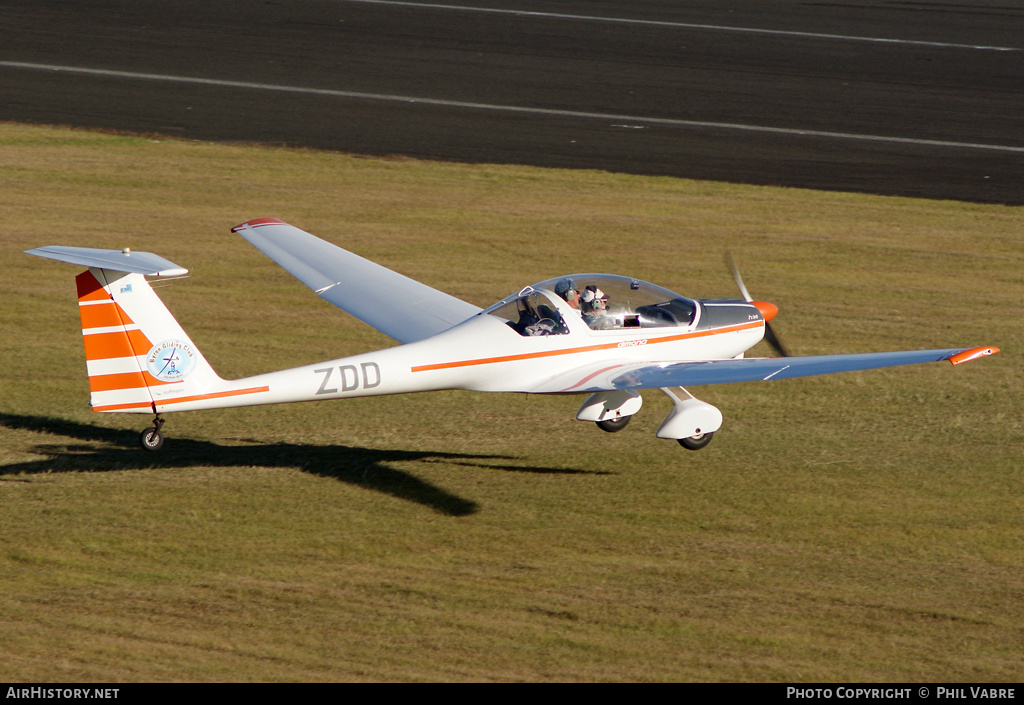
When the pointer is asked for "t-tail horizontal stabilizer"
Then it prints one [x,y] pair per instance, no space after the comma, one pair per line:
[114,260]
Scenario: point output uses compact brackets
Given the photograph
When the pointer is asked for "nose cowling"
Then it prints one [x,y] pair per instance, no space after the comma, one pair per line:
[768,311]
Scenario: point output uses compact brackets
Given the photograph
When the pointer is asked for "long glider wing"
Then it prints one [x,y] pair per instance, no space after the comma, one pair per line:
[684,374]
[394,304]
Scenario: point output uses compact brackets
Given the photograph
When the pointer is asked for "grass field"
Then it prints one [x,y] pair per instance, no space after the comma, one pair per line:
[858,527]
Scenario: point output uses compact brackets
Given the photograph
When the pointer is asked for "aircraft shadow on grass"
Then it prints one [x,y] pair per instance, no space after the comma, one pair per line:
[97,449]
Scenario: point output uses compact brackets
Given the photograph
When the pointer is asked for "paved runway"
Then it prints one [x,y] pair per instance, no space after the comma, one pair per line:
[921,99]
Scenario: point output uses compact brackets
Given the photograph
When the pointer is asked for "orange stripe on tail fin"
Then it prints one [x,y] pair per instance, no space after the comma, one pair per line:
[103,315]
[123,343]
[124,380]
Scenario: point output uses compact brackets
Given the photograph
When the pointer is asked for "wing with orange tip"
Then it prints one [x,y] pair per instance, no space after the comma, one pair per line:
[654,375]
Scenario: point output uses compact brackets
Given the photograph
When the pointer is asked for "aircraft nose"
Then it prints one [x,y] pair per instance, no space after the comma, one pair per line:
[767,310]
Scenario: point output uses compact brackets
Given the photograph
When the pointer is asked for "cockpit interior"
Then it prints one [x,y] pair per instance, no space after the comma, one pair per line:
[602,301]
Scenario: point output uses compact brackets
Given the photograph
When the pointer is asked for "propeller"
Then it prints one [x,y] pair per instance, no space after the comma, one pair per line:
[767,310]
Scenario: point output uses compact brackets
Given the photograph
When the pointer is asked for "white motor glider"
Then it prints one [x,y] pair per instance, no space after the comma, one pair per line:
[596,334]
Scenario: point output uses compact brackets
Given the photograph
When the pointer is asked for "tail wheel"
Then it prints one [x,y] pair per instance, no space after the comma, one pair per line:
[613,425]
[696,442]
[151,439]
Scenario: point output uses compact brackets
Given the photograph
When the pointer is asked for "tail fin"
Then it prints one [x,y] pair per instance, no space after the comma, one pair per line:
[137,355]
[135,351]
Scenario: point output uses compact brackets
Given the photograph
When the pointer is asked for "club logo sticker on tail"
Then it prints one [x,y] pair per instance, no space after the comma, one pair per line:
[171,360]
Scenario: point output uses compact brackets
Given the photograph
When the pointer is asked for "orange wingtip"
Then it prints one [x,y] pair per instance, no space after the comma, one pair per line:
[972,354]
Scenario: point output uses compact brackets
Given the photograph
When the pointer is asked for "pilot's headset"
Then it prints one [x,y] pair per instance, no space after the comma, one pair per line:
[566,288]
[594,299]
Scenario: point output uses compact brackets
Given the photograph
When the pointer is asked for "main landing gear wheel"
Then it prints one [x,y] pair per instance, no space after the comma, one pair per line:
[613,425]
[151,439]
[696,442]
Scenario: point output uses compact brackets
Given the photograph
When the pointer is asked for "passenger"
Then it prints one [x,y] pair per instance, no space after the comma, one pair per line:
[566,289]
[594,307]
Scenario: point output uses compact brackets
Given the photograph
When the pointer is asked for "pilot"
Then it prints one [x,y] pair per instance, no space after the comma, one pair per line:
[594,307]
[566,288]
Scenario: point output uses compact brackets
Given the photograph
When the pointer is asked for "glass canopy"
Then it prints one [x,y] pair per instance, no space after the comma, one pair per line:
[603,301]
